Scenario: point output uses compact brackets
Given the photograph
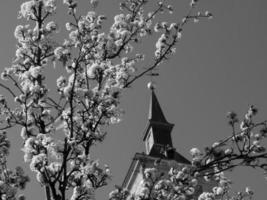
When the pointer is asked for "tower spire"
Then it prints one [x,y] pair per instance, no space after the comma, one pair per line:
[155,112]
[157,135]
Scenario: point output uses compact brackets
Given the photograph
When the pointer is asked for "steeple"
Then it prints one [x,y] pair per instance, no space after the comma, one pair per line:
[157,135]
[158,143]
[155,112]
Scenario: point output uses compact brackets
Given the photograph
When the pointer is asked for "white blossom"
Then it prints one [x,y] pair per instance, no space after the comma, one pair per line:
[51,26]
[92,70]
[195,152]
[206,196]
[249,191]
[35,71]
[218,190]
[26,9]
[38,162]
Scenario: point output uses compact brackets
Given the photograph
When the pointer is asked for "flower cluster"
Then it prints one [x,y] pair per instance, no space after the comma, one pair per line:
[10,181]
[29,9]
[178,184]
[119,194]
[60,126]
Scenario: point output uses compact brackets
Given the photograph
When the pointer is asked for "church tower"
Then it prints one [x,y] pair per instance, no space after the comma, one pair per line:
[157,134]
[158,146]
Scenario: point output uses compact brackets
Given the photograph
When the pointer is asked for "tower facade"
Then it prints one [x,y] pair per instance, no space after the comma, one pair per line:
[158,146]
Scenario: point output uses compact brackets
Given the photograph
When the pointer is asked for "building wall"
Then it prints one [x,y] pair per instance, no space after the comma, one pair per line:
[135,182]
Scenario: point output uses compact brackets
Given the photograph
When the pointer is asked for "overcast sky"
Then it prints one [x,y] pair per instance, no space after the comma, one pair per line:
[220,65]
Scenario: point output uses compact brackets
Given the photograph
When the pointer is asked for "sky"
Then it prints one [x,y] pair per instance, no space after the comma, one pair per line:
[219,66]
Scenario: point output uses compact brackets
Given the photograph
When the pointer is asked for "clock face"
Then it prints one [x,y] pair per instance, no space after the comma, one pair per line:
[149,141]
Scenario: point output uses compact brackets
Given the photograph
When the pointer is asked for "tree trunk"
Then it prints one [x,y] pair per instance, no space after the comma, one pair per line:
[47,191]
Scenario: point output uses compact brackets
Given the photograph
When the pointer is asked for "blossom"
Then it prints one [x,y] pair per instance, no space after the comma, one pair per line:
[180,175]
[244,126]
[190,191]
[67,90]
[119,42]
[144,192]
[207,178]
[91,16]
[21,32]
[115,120]
[92,70]
[75,193]
[218,190]
[173,26]
[206,196]
[195,152]
[94,3]
[27,157]
[70,3]
[196,19]
[54,167]
[228,151]
[39,177]
[107,170]
[61,82]
[193,3]
[20,52]
[69,26]
[73,35]
[58,52]
[119,19]
[194,182]
[51,26]
[215,144]
[100,19]
[208,14]
[49,5]
[23,133]
[181,197]
[26,9]
[38,162]
[44,140]
[161,43]
[4,75]
[35,71]
[249,191]
[170,8]
[150,173]
[164,25]
[4,197]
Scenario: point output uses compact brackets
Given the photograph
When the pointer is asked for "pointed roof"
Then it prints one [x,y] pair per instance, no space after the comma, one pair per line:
[155,112]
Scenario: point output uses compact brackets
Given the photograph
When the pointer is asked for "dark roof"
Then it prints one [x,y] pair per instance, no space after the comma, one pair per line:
[180,159]
[155,115]
[175,156]
[155,112]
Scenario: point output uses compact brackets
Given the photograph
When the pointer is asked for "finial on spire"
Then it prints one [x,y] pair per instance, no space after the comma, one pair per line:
[151,85]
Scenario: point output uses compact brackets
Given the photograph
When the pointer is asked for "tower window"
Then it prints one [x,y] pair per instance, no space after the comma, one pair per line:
[149,141]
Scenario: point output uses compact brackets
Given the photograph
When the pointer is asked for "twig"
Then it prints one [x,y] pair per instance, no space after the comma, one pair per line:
[8,89]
